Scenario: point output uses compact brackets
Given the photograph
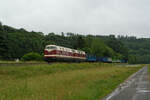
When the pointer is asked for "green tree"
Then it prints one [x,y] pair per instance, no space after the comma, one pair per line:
[98,48]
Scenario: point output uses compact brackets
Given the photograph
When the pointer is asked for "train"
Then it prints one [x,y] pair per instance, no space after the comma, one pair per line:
[54,53]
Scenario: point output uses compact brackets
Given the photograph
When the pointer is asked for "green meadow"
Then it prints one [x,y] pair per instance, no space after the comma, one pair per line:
[62,81]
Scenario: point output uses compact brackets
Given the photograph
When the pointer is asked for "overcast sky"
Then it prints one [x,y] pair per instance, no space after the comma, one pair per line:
[131,17]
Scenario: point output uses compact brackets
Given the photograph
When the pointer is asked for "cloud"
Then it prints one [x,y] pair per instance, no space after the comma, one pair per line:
[101,17]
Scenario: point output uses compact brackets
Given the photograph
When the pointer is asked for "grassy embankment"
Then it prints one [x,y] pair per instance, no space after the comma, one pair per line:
[84,81]
[149,69]
[21,62]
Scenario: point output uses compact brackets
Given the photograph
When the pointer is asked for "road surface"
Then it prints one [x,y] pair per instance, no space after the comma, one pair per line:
[136,88]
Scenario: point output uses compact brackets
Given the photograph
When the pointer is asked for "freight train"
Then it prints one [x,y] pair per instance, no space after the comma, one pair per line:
[54,53]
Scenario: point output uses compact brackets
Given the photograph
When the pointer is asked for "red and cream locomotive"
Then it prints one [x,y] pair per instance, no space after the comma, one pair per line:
[59,53]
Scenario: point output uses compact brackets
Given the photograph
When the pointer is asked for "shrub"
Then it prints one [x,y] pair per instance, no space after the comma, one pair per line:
[32,57]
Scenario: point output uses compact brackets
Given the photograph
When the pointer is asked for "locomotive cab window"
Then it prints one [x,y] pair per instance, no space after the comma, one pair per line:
[51,47]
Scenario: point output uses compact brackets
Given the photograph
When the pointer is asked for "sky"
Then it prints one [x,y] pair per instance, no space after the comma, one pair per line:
[97,17]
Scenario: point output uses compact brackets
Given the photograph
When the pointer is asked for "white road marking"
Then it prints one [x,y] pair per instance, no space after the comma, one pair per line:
[143,91]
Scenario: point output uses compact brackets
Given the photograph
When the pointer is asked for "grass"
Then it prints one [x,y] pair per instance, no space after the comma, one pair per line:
[84,81]
[149,69]
[1,61]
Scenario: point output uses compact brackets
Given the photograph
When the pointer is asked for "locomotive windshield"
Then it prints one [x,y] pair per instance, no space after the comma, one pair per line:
[51,47]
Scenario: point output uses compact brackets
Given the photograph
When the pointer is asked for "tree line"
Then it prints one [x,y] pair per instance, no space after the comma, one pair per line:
[14,43]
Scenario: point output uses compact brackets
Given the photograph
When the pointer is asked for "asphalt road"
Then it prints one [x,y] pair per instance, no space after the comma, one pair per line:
[136,88]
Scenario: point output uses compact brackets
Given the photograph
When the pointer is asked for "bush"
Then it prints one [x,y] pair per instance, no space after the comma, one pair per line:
[32,57]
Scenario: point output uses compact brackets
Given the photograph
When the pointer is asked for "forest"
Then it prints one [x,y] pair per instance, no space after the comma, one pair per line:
[15,43]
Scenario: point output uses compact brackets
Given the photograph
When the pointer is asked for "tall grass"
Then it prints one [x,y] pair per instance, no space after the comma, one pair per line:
[22,62]
[33,70]
[148,68]
[84,81]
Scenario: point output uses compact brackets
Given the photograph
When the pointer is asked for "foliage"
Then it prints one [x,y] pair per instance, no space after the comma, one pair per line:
[100,49]
[139,49]
[15,43]
[32,57]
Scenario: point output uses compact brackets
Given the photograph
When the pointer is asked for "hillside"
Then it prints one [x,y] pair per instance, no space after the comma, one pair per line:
[14,43]
[139,49]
